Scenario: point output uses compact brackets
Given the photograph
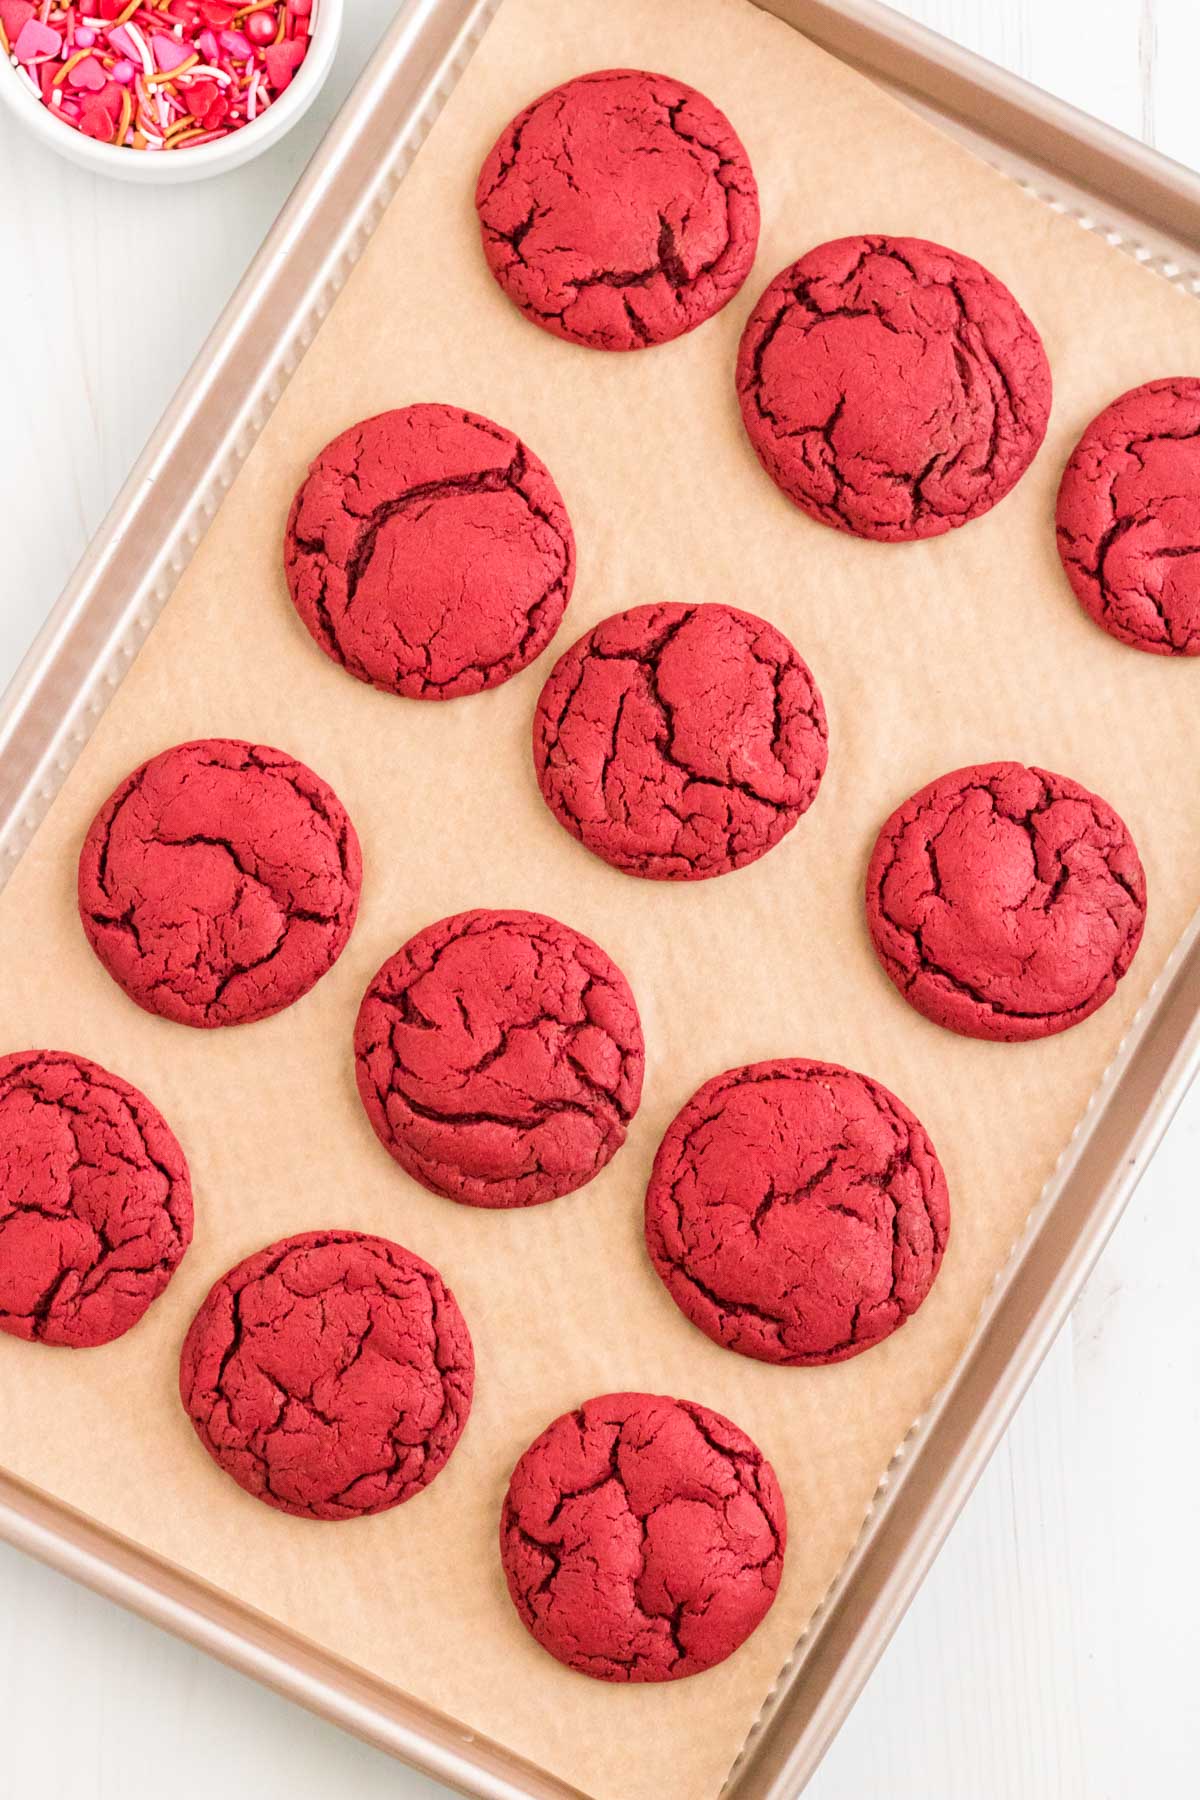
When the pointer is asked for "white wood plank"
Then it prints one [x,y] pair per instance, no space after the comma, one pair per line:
[1174,108]
[1086,51]
[98,1706]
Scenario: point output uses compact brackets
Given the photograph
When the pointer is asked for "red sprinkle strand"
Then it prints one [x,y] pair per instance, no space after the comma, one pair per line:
[156,74]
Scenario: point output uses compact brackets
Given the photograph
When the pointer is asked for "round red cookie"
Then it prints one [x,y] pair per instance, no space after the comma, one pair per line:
[429,552]
[619,210]
[95,1201]
[1129,518]
[1005,902]
[219,882]
[330,1374]
[642,1538]
[679,742]
[891,387]
[796,1212]
[499,1057]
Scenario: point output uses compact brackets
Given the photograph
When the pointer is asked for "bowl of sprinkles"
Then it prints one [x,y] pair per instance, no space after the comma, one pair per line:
[164,90]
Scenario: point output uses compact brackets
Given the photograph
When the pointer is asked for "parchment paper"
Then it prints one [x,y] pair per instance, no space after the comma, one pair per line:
[929,656]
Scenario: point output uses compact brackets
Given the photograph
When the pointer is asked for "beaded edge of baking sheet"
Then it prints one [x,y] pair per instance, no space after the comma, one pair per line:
[1165,263]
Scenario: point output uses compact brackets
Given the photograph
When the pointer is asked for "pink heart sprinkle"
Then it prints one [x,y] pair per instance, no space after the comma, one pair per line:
[209,48]
[88,74]
[237,44]
[36,40]
[124,45]
[168,51]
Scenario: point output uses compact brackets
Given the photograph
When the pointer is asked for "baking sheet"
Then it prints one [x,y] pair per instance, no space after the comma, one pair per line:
[929,656]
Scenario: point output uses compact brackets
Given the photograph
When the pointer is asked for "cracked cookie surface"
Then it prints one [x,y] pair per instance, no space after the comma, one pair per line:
[1005,902]
[95,1201]
[642,1538]
[891,387]
[679,742]
[429,553]
[219,882]
[330,1374]
[1128,518]
[619,210]
[499,1058]
[796,1212]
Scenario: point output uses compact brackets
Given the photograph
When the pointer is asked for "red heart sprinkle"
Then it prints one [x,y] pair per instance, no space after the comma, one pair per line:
[199,96]
[13,15]
[95,121]
[282,60]
[216,14]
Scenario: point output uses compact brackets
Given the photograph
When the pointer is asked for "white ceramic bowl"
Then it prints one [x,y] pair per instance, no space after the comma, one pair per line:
[208,159]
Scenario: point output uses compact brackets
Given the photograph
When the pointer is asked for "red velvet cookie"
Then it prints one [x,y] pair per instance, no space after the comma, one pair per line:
[429,552]
[1005,902]
[499,1058]
[1129,518]
[642,1538]
[679,742]
[330,1374]
[892,388]
[796,1212]
[95,1201]
[619,210]
[219,882]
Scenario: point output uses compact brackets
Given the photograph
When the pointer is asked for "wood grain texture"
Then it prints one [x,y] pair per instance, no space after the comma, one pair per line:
[1051,1654]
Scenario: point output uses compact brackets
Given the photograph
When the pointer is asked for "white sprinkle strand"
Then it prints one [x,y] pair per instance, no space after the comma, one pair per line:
[142,48]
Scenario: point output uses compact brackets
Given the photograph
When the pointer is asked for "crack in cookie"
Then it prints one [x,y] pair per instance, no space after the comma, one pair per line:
[330,1374]
[619,210]
[797,1212]
[95,1201]
[891,387]
[680,742]
[429,553]
[219,882]
[499,1058]
[1005,902]
[1128,518]
[642,1538]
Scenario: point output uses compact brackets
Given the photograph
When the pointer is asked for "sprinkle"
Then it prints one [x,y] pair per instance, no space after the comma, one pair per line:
[180,68]
[35,41]
[71,63]
[14,16]
[156,74]
[141,48]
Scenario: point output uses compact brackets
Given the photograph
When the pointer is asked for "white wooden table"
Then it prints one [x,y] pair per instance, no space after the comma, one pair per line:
[1052,1654]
